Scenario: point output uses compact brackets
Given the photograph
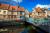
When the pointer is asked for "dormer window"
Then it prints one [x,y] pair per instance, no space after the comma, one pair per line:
[13,8]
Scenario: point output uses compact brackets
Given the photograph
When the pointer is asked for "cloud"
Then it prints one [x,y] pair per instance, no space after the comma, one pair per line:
[18,1]
[42,6]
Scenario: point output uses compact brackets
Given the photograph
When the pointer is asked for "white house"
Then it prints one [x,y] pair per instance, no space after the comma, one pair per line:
[26,13]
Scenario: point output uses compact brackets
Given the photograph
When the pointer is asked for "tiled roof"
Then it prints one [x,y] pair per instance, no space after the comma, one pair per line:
[38,9]
[13,8]
[16,8]
[4,6]
[20,9]
[9,7]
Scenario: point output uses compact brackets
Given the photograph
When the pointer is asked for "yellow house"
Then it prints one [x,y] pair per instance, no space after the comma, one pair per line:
[12,14]
[3,14]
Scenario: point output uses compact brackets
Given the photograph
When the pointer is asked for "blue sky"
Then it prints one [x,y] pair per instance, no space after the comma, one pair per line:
[27,4]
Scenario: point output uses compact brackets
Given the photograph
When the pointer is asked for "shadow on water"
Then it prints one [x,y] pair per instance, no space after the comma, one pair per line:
[38,29]
[28,27]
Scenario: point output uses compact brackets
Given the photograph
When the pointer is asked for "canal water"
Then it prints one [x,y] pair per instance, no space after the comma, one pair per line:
[21,27]
[43,23]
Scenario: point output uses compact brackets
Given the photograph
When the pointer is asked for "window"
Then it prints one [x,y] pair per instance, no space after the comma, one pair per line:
[8,16]
[22,13]
[11,16]
[4,16]
[4,12]
[18,13]
[0,10]
[14,16]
